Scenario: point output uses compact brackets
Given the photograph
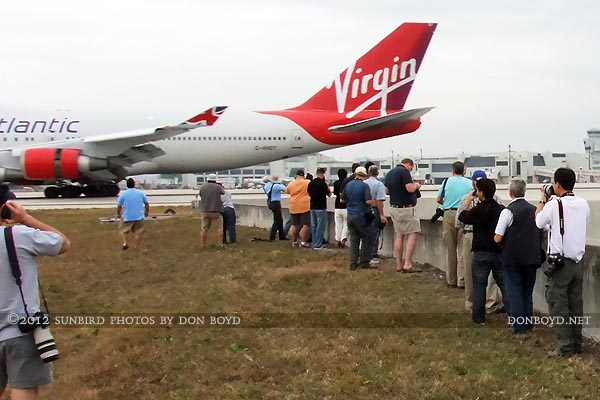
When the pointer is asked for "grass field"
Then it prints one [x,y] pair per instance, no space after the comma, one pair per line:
[432,353]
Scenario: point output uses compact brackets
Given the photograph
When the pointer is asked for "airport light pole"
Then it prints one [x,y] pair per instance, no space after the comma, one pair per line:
[509,163]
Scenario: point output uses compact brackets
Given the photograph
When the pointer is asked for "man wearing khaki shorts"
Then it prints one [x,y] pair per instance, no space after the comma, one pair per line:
[403,199]
[132,208]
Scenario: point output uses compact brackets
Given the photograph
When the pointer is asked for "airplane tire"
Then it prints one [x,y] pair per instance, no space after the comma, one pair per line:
[91,191]
[114,190]
[52,192]
[70,192]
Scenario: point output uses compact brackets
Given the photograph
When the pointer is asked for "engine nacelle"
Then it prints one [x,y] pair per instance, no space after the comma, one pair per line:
[50,163]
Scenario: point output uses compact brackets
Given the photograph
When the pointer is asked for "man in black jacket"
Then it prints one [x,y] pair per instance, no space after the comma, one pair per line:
[486,252]
[521,254]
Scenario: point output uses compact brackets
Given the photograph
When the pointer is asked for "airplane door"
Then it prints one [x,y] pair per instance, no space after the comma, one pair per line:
[296,136]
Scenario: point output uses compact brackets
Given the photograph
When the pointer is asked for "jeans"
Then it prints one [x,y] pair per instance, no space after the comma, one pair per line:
[375,230]
[229,224]
[359,232]
[287,226]
[519,283]
[277,221]
[318,222]
[483,263]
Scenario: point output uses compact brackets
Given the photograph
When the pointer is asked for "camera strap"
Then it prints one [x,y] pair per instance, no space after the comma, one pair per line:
[11,250]
[561,224]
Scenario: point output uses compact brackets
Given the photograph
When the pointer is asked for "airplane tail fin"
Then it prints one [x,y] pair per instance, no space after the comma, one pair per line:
[206,118]
[379,80]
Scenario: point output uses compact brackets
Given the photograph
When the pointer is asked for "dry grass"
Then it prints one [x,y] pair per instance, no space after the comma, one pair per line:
[422,360]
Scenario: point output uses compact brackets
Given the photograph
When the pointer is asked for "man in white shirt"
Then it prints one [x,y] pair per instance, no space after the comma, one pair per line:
[564,287]
[521,255]
[377,194]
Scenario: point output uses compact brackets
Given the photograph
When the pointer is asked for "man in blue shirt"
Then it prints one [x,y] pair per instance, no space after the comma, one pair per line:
[132,208]
[273,189]
[450,196]
[403,199]
[357,196]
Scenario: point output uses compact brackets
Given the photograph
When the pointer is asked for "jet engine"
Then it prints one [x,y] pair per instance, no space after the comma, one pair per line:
[49,163]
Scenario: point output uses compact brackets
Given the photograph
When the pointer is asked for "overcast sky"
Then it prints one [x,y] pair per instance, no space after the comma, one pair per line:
[524,73]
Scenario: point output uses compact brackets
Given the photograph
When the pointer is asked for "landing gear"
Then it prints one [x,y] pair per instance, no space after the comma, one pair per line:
[52,192]
[73,191]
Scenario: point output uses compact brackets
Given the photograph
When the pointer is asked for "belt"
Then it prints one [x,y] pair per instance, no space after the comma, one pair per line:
[398,206]
[450,209]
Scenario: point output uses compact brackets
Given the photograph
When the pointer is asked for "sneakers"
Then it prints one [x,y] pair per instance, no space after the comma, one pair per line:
[304,244]
[319,248]
[557,353]
[125,246]
[375,261]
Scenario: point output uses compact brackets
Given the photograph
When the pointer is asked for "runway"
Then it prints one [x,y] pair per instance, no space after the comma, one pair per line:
[184,197]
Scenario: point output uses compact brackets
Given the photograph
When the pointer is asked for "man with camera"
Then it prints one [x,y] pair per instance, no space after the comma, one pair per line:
[377,194]
[449,196]
[318,191]
[486,252]
[567,216]
[493,301]
[403,199]
[21,345]
[357,196]
[521,254]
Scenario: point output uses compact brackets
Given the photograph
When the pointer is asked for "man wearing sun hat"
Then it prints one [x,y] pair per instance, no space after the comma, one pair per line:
[211,208]
[357,196]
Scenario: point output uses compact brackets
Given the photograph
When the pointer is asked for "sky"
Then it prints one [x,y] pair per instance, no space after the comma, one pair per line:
[500,73]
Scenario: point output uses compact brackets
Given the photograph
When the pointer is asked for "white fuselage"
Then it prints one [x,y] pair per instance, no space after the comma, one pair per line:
[237,139]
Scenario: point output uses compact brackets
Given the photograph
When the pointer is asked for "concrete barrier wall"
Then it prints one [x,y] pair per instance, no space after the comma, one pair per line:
[431,250]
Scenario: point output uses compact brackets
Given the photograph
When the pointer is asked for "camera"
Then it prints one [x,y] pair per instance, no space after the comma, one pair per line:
[555,262]
[39,323]
[439,212]
[549,190]
[5,212]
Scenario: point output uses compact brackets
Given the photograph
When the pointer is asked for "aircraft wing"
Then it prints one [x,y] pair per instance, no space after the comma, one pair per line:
[99,158]
[387,121]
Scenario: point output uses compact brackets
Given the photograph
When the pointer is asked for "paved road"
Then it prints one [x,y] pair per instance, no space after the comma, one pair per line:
[184,197]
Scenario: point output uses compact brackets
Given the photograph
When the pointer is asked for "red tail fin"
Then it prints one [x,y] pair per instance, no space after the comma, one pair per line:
[379,80]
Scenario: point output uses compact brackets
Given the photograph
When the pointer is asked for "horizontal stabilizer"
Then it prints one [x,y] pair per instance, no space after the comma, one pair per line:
[387,121]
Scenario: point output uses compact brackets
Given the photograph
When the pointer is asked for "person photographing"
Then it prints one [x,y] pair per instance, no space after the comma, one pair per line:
[21,367]
[567,216]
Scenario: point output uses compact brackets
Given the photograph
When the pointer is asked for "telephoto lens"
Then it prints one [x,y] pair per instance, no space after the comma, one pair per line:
[549,190]
[44,341]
